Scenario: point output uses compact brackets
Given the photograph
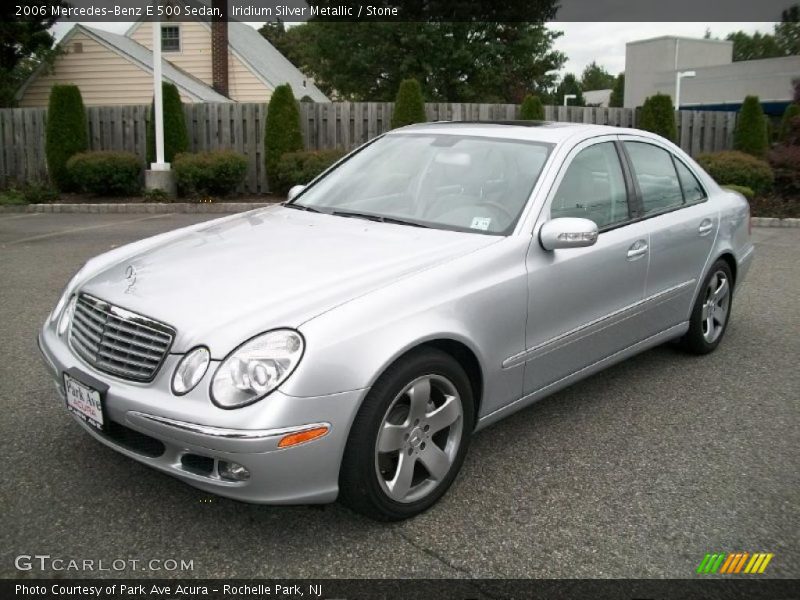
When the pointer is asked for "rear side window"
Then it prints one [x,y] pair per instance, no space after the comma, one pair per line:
[692,190]
[655,173]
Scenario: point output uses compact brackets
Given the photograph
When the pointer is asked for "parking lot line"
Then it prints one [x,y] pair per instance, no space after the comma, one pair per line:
[79,229]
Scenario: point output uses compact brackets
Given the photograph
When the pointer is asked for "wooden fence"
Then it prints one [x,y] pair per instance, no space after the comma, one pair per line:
[240,127]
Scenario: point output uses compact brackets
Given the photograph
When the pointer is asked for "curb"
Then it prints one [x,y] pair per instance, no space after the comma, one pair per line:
[770,222]
[154,208]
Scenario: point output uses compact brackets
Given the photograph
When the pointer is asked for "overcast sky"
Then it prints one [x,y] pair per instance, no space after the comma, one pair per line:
[582,42]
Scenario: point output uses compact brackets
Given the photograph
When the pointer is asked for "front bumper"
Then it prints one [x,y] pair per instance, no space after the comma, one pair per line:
[168,433]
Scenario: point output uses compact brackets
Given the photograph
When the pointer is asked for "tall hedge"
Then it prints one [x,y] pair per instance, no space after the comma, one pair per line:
[409,107]
[282,131]
[792,112]
[751,135]
[658,116]
[66,132]
[531,109]
[176,137]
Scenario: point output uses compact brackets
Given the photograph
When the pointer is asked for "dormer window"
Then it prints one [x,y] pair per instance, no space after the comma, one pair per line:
[170,38]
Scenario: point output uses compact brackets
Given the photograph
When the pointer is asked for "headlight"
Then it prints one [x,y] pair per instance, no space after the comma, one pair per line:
[190,370]
[66,316]
[256,368]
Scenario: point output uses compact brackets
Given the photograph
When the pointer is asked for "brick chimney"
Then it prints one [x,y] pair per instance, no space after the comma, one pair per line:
[219,47]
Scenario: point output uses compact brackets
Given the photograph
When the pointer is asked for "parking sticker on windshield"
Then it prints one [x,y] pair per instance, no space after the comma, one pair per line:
[481,223]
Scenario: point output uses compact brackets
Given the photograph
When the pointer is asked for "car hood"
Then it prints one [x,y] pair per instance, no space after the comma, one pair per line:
[225,281]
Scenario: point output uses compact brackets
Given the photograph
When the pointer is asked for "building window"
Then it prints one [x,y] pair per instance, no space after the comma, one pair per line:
[77,48]
[171,38]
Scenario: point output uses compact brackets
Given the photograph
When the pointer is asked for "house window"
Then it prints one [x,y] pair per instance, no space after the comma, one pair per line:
[77,48]
[170,38]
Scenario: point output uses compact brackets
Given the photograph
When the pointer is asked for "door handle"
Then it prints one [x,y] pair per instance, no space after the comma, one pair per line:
[705,227]
[637,250]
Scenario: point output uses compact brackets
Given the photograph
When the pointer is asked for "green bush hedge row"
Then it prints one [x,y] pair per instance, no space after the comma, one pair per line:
[301,167]
[732,167]
[218,172]
[176,138]
[66,132]
[751,134]
[282,130]
[106,173]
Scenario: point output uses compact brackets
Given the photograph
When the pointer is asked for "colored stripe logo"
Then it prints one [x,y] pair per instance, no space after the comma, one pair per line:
[734,563]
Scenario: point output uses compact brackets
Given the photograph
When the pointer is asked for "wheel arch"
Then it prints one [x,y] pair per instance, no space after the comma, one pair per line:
[730,259]
[457,349]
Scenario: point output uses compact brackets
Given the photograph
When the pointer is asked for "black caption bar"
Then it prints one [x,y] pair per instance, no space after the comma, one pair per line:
[404,10]
[391,589]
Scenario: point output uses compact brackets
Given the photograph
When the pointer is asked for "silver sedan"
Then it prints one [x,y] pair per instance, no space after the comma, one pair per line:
[349,342]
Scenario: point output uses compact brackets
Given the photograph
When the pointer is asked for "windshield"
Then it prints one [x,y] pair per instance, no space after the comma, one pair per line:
[444,181]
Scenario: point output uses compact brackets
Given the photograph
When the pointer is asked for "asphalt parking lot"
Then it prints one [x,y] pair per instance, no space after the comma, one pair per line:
[636,472]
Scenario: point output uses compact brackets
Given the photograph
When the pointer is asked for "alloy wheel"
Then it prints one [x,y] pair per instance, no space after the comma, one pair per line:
[715,307]
[419,438]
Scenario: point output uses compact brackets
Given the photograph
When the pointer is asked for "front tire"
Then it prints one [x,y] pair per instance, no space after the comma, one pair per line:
[409,438]
[711,311]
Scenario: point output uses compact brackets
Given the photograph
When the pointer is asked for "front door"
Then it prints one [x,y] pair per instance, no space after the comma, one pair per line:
[584,303]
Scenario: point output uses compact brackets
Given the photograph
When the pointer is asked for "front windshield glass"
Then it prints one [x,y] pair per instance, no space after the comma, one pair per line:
[443,181]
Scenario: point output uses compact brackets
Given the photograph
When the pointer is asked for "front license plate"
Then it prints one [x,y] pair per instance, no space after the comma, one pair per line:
[84,401]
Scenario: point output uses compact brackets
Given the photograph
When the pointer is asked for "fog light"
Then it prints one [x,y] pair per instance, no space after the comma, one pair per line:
[233,471]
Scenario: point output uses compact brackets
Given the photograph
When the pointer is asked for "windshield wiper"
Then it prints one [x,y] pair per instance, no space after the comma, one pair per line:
[378,218]
[301,207]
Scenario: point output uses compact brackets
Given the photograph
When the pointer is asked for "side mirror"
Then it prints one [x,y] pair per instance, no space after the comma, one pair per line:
[294,191]
[568,232]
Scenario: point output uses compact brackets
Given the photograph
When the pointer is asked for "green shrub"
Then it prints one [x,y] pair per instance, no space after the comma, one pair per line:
[743,190]
[737,168]
[155,195]
[176,138]
[658,116]
[66,132]
[531,109]
[617,99]
[307,98]
[791,133]
[106,173]
[12,197]
[282,130]
[301,167]
[785,161]
[218,172]
[39,193]
[751,135]
[409,107]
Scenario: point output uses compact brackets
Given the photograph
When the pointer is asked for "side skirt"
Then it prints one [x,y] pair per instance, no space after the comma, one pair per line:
[654,340]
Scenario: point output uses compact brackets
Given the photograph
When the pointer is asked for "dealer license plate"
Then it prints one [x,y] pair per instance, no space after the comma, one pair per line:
[83,401]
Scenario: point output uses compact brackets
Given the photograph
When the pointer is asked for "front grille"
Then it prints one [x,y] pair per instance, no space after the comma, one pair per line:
[117,341]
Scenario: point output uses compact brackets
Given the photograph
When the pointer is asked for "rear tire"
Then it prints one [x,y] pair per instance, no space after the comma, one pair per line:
[409,438]
[711,312]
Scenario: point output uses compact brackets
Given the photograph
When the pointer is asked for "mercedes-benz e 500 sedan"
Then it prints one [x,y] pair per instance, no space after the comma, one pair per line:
[349,342]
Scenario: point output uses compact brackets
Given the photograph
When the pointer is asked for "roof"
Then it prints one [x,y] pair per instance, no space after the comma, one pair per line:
[137,53]
[552,132]
[679,37]
[263,59]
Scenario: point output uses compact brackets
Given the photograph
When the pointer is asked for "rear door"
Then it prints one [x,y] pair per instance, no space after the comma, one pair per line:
[681,226]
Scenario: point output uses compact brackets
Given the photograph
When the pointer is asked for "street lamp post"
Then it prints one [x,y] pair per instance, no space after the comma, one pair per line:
[678,76]
[568,97]
[158,101]
[158,176]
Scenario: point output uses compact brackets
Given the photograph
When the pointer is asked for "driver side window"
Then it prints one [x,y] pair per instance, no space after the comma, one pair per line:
[593,187]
